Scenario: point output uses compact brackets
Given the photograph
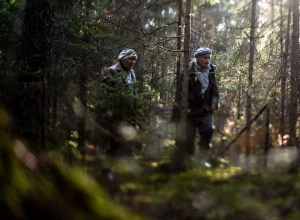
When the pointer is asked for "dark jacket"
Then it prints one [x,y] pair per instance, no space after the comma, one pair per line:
[200,104]
[116,75]
[119,93]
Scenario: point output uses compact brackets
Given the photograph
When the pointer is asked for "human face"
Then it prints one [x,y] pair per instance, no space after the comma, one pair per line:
[128,63]
[203,60]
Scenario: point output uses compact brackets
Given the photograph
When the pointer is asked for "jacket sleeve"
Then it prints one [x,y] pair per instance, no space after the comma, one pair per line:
[107,77]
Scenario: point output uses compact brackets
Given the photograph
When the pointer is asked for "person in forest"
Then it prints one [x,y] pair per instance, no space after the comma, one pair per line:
[119,82]
[121,75]
[203,99]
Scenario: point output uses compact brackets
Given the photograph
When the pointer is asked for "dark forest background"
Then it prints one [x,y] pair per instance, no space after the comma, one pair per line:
[53,132]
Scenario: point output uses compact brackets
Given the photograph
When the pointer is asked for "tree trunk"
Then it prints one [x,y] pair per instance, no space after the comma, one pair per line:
[176,108]
[186,61]
[196,37]
[238,106]
[82,115]
[284,59]
[294,74]
[250,72]
[38,24]
[184,91]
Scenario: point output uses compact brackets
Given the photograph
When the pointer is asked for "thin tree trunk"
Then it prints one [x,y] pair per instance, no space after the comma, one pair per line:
[176,108]
[239,97]
[271,38]
[284,58]
[38,23]
[82,116]
[186,61]
[251,64]
[197,26]
[181,152]
[267,135]
[294,74]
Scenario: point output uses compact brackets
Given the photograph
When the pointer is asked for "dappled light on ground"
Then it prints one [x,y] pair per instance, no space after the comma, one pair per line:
[221,193]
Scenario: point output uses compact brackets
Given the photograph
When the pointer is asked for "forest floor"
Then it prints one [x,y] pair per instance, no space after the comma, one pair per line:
[45,187]
[223,192]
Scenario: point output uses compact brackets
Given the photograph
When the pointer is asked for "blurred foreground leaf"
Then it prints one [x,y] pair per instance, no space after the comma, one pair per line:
[39,187]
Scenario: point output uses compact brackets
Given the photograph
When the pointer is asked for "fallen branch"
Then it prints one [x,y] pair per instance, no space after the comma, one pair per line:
[242,130]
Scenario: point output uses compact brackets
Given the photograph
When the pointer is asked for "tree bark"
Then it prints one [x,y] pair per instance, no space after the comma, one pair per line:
[238,106]
[184,91]
[38,32]
[176,108]
[284,59]
[294,74]
[250,73]
[186,61]
[82,115]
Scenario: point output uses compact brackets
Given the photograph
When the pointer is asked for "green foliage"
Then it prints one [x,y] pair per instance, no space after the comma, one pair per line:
[38,186]
[222,193]
[119,99]
[8,11]
[4,119]
[10,5]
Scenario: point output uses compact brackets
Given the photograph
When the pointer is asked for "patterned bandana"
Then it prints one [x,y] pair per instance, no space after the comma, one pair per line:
[126,53]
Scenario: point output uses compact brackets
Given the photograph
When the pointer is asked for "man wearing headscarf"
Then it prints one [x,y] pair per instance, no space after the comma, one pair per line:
[203,98]
[119,81]
[123,68]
